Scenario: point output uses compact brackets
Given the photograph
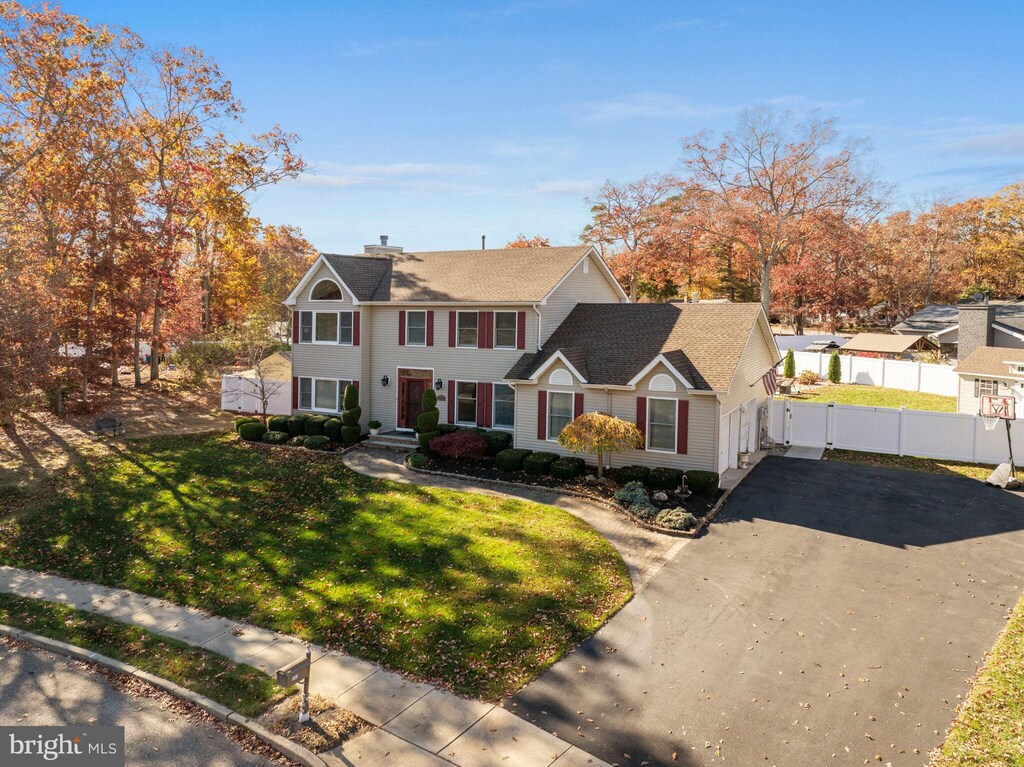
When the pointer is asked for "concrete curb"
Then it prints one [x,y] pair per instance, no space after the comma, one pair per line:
[283,746]
[695,533]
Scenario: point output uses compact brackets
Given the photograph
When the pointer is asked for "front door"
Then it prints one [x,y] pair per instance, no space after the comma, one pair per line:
[410,401]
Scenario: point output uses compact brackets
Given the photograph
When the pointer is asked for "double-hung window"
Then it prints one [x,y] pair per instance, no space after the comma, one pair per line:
[504,406]
[305,327]
[465,404]
[559,412]
[325,328]
[345,328]
[983,387]
[467,330]
[322,394]
[415,328]
[661,424]
[505,330]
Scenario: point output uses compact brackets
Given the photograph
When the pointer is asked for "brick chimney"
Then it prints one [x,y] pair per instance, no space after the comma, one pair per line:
[383,249]
[975,327]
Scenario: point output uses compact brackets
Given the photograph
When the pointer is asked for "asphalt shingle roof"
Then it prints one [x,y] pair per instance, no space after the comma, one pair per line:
[504,275]
[883,343]
[614,342]
[936,317]
[990,361]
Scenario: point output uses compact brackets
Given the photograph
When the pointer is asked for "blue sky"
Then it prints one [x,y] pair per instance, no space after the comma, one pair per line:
[438,122]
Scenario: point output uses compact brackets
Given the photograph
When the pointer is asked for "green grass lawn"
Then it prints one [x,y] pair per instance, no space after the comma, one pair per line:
[989,730]
[474,592]
[875,396]
[977,471]
[239,687]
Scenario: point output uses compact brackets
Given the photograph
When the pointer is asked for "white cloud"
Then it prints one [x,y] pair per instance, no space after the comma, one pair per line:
[422,176]
[376,48]
[651,105]
[564,188]
[998,142]
[523,150]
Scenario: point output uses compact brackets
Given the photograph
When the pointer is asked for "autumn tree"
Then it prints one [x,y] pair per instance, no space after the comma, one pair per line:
[600,434]
[763,186]
[522,241]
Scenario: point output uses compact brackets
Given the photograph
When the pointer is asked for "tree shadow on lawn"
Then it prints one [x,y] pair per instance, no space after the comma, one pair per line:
[478,597]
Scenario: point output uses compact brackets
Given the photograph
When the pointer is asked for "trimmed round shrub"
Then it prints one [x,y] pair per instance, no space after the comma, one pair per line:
[464,444]
[702,482]
[252,431]
[350,397]
[539,463]
[428,420]
[279,423]
[275,437]
[419,460]
[447,428]
[424,438]
[497,441]
[245,419]
[332,429]
[350,434]
[626,474]
[297,425]
[568,468]
[511,459]
[314,425]
[317,442]
[676,519]
[298,441]
[351,416]
[664,478]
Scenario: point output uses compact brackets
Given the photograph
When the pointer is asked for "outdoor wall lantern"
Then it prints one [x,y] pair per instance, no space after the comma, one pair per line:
[384,381]
[439,384]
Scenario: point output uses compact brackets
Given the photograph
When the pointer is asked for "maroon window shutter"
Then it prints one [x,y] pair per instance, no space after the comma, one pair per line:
[401,328]
[490,329]
[295,393]
[682,425]
[451,402]
[430,327]
[451,328]
[295,327]
[355,328]
[641,419]
[521,330]
[483,397]
[542,415]
[577,405]
[356,385]
[481,330]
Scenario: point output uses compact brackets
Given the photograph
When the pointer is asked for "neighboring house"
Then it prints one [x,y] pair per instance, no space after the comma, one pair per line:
[995,323]
[469,323]
[887,345]
[990,370]
[811,343]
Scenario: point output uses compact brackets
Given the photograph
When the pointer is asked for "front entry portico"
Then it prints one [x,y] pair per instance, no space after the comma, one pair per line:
[412,383]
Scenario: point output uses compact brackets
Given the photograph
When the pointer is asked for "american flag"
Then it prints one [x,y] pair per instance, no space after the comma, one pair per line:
[771,382]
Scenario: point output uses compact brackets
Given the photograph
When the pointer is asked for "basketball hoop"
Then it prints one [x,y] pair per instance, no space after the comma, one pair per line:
[997,407]
[990,421]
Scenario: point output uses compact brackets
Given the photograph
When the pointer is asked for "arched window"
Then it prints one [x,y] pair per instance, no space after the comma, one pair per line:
[325,290]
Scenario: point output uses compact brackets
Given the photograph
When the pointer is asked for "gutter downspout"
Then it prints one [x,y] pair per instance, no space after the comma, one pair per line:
[540,320]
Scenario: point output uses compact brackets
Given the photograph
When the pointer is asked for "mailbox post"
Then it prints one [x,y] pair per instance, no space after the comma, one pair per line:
[295,672]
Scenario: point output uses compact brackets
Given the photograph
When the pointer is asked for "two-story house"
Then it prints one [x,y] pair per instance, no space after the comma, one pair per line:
[525,340]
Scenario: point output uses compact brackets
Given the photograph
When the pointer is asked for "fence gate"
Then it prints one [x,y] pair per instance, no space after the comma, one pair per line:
[807,424]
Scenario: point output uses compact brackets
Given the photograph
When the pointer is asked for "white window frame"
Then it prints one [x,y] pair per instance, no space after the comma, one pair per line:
[550,436]
[494,400]
[312,393]
[981,383]
[476,402]
[515,330]
[351,328]
[408,316]
[458,342]
[316,284]
[675,428]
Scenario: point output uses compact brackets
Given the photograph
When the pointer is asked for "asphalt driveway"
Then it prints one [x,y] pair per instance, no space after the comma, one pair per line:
[832,617]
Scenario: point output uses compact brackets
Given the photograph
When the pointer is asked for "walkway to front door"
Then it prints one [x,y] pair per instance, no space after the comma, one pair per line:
[411,385]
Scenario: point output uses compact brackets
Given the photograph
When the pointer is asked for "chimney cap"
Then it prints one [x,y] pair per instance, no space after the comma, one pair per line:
[384,240]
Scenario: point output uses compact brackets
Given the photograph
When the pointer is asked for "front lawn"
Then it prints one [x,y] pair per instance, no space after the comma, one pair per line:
[474,592]
[977,471]
[237,686]
[990,727]
[875,396]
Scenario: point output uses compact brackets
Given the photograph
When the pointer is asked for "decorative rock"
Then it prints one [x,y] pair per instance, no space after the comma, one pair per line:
[660,496]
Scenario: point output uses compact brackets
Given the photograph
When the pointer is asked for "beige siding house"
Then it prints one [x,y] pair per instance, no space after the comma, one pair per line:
[526,340]
[990,371]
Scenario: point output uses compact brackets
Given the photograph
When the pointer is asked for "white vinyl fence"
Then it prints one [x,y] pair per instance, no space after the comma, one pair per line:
[953,436]
[892,374]
[242,395]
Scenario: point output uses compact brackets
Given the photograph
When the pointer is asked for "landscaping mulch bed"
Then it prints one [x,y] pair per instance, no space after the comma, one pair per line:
[698,505]
[329,725]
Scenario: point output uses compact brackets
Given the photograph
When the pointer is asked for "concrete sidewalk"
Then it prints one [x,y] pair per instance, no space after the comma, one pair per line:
[418,725]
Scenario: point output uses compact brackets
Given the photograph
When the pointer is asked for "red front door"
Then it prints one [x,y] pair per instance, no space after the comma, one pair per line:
[410,401]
